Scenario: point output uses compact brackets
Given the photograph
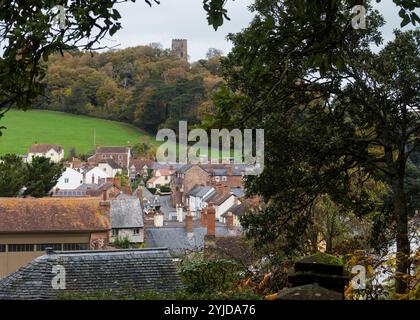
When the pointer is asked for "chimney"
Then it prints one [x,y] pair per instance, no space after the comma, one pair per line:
[211,220]
[203,218]
[229,171]
[105,195]
[49,250]
[158,220]
[229,221]
[226,189]
[117,182]
[139,194]
[189,222]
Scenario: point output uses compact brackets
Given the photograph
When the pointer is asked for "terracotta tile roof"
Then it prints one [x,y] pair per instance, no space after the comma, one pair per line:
[166,172]
[19,215]
[111,163]
[218,198]
[43,148]
[140,163]
[112,150]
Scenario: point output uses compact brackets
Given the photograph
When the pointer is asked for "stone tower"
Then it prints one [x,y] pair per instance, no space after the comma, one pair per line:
[180,48]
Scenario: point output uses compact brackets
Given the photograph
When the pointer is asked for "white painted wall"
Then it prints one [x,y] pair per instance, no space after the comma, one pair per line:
[97,174]
[53,155]
[105,167]
[69,180]
[128,233]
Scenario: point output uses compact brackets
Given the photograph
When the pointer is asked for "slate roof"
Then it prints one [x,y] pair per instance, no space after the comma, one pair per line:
[145,270]
[112,150]
[178,241]
[199,191]
[218,198]
[239,192]
[18,215]
[126,213]
[236,209]
[111,163]
[43,148]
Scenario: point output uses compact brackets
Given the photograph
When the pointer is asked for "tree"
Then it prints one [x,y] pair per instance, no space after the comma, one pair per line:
[12,175]
[42,176]
[214,53]
[354,113]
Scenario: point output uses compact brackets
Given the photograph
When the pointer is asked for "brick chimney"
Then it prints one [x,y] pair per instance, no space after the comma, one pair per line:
[117,182]
[105,204]
[211,220]
[189,222]
[226,189]
[229,221]
[203,218]
[229,171]
[139,194]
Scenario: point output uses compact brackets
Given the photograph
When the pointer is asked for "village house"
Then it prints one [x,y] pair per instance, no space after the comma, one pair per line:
[236,211]
[121,155]
[127,219]
[190,175]
[222,200]
[161,177]
[95,176]
[110,167]
[197,198]
[70,179]
[29,226]
[93,272]
[140,168]
[52,151]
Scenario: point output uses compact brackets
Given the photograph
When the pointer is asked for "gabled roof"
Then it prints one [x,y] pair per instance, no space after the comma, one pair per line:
[236,209]
[18,215]
[200,191]
[89,272]
[43,148]
[219,197]
[111,163]
[126,213]
[140,163]
[112,150]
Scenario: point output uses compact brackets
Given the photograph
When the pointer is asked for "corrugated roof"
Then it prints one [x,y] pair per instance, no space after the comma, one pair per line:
[19,215]
[126,213]
[88,272]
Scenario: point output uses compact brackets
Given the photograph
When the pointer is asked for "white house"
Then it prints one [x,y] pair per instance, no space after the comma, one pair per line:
[110,167]
[127,220]
[222,201]
[197,198]
[69,180]
[161,177]
[52,151]
[94,174]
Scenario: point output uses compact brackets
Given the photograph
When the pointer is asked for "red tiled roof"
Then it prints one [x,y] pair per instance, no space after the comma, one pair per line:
[19,215]
[43,148]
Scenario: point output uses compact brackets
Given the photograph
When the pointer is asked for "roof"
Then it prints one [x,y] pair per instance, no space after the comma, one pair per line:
[239,192]
[166,172]
[112,149]
[140,163]
[219,197]
[88,272]
[236,209]
[111,163]
[43,148]
[178,241]
[126,213]
[18,215]
[200,191]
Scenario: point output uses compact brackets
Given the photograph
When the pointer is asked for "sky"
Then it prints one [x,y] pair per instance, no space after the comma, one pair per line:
[187,19]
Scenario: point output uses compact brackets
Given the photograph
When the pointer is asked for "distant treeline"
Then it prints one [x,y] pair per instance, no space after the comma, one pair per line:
[145,86]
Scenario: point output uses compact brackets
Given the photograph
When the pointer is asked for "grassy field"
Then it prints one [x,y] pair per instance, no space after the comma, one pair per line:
[25,128]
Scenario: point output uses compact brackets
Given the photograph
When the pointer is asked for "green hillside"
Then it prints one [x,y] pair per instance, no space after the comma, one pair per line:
[25,128]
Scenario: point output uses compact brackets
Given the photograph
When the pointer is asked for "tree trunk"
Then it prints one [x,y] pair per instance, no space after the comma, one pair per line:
[403,244]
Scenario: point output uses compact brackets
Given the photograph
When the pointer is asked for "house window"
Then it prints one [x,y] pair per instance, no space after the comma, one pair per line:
[2,248]
[166,178]
[75,246]
[44,246]
[120,157]
[136,231]
[115,232]
[21,247]
[217,178]
[52,154]
[224,178]
[66,180]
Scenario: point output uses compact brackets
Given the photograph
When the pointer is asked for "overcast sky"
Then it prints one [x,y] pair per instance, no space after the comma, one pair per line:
[187,19]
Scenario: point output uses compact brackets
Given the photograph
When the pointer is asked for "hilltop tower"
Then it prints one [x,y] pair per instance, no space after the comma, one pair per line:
[180,48]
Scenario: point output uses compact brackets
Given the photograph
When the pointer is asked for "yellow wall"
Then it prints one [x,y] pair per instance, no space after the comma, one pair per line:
[11,261]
